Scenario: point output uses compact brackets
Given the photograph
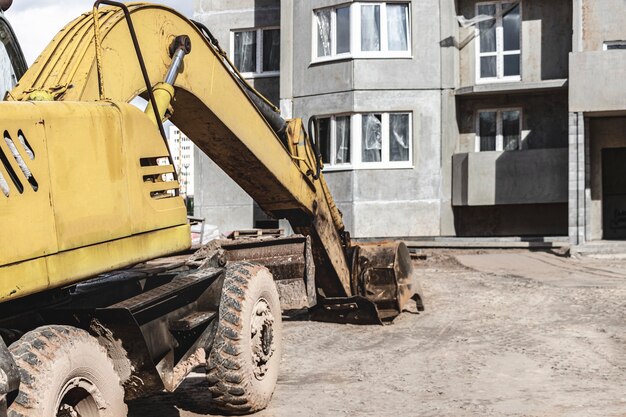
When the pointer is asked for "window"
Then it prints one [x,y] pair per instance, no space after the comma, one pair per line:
[498,49]
[613,45]
[256,52]
[366,140]
[361,30]
[334,133]
[499,130]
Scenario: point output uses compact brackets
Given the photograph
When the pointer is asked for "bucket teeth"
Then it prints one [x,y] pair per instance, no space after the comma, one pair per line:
[348,310]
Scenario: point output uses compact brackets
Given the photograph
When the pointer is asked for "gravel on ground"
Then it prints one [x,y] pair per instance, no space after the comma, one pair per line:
[504,334]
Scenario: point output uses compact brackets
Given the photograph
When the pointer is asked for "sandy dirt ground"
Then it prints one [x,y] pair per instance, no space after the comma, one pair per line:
[504,334]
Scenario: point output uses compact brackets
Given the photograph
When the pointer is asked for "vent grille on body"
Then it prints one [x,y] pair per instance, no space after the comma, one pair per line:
[9,173]
[158,177]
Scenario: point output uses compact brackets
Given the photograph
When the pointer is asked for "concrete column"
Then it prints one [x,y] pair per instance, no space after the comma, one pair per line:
[577,32]
[576,179]
[572,179]
[286,58]
[582,206]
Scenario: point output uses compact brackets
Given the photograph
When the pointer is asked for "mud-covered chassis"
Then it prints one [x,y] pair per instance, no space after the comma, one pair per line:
[160,320]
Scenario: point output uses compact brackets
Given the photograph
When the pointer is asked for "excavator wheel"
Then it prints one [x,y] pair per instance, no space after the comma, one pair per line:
[242,367]
[65,372]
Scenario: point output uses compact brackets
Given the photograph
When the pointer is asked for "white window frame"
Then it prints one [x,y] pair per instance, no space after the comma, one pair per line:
[621,45]
[333,35]
[356,137]
[499,135]
[333,142]
[355,34]
[500,52]
[259,73]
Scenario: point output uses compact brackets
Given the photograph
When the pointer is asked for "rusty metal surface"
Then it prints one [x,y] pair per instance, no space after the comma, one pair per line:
[383,279]
[385,276]
[290,261]
[192,320]
[348,310]
[292,294]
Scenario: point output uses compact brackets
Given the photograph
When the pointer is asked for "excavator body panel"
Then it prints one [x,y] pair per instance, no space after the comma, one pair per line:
[108,188]
[82,193]
[89,202]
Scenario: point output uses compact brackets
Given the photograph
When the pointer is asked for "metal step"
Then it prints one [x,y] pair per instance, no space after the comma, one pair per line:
[184,289]
[192,321]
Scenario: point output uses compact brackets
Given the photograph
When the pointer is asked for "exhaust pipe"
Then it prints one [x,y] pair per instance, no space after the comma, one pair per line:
[5,4]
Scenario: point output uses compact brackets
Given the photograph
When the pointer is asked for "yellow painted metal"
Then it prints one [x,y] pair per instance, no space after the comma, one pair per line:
[210,107]
[29,214]
[64,268]
[92,209]
[163,95]
[40,95]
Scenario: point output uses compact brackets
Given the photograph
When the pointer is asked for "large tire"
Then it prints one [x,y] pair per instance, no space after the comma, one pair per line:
[65,372]
[245,358]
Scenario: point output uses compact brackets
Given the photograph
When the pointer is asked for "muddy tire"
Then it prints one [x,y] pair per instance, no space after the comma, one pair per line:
[65,372]
[243,363]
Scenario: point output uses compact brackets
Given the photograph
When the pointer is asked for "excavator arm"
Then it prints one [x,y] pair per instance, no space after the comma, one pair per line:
[117,53]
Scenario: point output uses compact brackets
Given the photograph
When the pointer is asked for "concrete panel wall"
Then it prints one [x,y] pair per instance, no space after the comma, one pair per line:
[518,177]
[546,40]
[449,32]
[449,142]
[544,119]
[268,87]
[373,199]
[597,81]
[222,17]
[396,219]
[602,21]
[218,198]
[233,14]
[422,71]
[308,78]
[410,196]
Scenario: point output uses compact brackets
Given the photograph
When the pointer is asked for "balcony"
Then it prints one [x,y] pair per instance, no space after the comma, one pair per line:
[536,176]
[597,81]
[520,87]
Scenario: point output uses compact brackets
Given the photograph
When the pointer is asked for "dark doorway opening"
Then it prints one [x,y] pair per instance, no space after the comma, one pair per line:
[614,193]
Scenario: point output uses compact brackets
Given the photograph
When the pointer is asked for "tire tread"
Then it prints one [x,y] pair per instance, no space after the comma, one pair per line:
[229,383]
[34,354]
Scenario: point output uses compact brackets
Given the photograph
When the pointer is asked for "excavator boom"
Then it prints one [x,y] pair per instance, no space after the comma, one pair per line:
[93,60]
[96,306]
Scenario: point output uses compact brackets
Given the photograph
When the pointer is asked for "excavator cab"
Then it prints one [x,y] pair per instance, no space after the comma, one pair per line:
[12,62]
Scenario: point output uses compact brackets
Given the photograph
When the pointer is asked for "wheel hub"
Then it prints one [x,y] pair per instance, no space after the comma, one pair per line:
[262,337]
[80,398]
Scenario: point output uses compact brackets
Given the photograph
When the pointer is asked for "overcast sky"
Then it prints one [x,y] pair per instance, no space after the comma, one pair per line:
[37,21]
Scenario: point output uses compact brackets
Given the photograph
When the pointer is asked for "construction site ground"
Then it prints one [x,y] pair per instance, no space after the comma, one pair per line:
[504,334]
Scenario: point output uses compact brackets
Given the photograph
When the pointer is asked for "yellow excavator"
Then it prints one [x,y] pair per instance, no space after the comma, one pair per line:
[97,304]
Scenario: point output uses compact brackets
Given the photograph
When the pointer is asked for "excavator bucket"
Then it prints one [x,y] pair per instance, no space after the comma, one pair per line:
[289,259]
[385,281]
[387,278]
